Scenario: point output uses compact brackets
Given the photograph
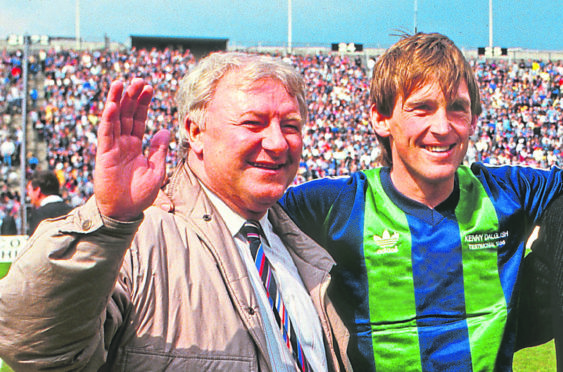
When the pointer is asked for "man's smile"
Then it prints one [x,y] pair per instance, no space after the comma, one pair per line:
[436,148]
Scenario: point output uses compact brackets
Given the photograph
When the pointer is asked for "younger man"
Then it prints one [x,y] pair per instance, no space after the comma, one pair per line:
[428,250]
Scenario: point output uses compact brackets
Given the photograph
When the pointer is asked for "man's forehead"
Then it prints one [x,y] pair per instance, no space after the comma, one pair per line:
[433,88]
[242,79]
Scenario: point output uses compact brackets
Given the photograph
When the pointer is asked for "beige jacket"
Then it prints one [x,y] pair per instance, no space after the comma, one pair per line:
[178,299]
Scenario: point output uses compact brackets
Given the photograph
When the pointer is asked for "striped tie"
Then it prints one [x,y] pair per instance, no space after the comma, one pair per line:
[251,230]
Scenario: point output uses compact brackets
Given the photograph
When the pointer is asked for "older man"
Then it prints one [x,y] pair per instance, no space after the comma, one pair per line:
[120,285]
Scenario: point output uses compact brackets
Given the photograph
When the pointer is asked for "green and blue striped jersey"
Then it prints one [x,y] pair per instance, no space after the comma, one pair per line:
[426,289]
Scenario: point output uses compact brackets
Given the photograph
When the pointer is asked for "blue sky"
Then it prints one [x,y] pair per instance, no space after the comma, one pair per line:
[528,24]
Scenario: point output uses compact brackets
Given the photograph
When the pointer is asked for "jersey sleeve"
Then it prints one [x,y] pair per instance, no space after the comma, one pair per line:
[310,204]
[533,188]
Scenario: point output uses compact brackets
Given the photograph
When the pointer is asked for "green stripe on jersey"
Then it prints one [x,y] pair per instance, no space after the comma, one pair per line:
[387,251]
[484,298]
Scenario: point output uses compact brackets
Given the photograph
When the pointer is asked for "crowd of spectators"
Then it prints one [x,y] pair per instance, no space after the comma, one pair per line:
[522,120]
[11,88]
[75,87]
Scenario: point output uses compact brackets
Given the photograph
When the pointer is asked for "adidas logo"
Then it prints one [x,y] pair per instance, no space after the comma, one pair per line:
[387,242]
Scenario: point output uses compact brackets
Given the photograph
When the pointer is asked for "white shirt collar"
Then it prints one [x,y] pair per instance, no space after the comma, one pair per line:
[50,199]
[233,220]
[289,282]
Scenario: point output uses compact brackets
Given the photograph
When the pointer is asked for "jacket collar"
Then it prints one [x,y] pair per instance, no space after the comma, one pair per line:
[191,202]
[313,262]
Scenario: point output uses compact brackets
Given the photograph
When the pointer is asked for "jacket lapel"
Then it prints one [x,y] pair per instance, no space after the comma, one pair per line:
[314,264]
[191,203]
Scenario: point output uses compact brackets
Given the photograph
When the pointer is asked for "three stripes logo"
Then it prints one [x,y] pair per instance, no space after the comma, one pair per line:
[387,243]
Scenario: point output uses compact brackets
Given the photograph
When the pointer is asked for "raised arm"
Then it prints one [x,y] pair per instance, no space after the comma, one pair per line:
[125,181]
[61,302]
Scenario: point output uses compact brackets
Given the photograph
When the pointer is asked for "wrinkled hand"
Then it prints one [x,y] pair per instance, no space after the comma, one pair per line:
[125,181]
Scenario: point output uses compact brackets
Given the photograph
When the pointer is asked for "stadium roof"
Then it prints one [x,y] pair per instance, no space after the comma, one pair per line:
[197,45]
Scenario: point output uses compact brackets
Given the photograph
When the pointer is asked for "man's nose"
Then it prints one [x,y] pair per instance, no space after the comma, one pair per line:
[440,124]
[274,138]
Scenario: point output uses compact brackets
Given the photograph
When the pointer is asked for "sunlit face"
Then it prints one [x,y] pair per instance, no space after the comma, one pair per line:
[428,136]
[250,148]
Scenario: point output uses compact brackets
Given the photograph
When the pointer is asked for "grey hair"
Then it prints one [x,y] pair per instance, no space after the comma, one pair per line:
[197,87]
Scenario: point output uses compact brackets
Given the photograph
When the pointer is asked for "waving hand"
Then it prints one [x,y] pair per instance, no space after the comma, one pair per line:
[126,182]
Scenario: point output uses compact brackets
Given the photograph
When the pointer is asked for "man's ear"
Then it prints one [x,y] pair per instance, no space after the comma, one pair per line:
[194,135]
[379,122]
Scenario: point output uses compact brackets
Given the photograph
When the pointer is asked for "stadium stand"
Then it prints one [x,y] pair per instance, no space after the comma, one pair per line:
[522,121]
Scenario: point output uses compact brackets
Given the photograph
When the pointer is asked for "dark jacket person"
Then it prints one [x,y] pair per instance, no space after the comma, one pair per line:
[44,192]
